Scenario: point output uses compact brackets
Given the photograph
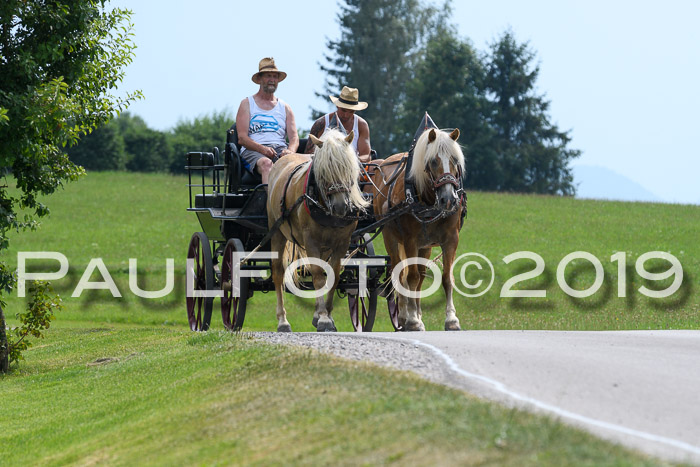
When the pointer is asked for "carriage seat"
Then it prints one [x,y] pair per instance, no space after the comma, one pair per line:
[240,176]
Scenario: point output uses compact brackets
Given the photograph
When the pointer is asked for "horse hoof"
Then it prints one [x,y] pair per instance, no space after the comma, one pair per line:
[314,321]
[452,326]
[414,326]
[284,328]
[326,326]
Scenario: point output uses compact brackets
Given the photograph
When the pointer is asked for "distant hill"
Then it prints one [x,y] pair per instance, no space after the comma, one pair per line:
[600,183]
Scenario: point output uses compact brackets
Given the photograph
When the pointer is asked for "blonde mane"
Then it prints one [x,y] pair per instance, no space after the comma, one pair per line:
[425,152]
[335,163]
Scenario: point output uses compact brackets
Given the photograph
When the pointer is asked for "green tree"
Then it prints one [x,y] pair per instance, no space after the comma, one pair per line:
[58,63]
[531,154]
[449,85]
[147,150]
[103,149]
[201,134]
[378,45]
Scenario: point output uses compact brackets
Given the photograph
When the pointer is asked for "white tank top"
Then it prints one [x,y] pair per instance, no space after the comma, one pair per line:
[268,127]
[339,126]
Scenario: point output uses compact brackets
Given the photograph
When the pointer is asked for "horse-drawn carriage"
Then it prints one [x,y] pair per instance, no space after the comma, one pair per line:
[230,204]
[232,207]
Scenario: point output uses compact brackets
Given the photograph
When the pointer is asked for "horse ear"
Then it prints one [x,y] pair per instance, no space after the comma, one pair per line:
[431,136]
[316,142]
[350,137]
[455,134]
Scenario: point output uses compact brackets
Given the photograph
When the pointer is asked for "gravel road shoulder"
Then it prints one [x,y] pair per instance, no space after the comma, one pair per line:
[390,353]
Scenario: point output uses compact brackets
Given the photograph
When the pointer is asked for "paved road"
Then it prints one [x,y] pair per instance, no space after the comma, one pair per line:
[640,388]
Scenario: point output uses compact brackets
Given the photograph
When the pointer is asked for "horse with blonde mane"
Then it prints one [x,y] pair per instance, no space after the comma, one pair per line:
[319,197]
[433,218]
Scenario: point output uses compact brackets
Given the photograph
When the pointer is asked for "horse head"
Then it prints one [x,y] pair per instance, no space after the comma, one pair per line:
[337,172]
[438,165]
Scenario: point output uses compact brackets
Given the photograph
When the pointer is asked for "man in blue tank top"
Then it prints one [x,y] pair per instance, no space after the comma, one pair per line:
[345,120]
[263,121]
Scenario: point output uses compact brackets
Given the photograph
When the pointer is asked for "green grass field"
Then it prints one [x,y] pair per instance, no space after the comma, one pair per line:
[117,216]
[123,380]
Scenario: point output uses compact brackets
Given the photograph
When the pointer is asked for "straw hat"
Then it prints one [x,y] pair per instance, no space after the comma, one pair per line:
[267,65]
[349,99]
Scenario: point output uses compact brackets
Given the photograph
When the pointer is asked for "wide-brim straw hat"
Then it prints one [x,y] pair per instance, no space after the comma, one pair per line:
[349,99]
[267,65]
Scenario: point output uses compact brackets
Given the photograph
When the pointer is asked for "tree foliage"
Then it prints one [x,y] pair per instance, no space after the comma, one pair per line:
[531,152]
[200,134]
[406,59]
[378,45]
[128,143]
[448,82]
[37,319]
[59,62]
[103,149]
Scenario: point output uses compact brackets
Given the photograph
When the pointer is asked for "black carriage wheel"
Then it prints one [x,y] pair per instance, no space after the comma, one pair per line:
[199,308]
[232,308]
[363,310]
[393,306]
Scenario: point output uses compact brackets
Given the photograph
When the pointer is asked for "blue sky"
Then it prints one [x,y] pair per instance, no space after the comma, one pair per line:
[620,75]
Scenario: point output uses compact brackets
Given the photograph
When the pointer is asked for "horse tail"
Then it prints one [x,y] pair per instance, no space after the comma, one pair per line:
[292,252]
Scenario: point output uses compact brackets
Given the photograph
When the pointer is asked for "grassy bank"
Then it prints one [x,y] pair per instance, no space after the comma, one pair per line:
[136,395]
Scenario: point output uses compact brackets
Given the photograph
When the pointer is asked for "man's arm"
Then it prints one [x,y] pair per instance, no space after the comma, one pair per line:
[292,134]
[316,130]
[363,144]
[242,123]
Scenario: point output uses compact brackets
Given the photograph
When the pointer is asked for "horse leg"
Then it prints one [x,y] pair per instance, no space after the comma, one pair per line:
[335,264]
[324,322]
[425,254]
[401,299]
[448,258]
[413,319]
[277,243]
[391,243]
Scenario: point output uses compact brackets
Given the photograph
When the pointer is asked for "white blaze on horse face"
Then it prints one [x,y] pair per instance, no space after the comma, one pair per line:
[445,160]
[446,194]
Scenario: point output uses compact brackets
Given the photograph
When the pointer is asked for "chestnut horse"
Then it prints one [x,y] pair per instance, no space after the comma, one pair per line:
[435,219]
[321,228]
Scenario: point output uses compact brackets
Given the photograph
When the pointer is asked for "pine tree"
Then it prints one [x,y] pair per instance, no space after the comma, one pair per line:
[378,43]
[448,84]
[531,154]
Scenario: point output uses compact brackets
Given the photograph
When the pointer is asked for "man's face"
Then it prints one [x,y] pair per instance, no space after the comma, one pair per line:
[344,114]
[269,81]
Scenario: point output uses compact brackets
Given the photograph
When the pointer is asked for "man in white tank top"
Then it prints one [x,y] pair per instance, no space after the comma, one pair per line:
[345,120]
[263,121]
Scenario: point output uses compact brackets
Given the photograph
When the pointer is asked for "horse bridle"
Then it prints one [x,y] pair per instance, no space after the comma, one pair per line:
[446,178]
[331,190]
[431,214]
